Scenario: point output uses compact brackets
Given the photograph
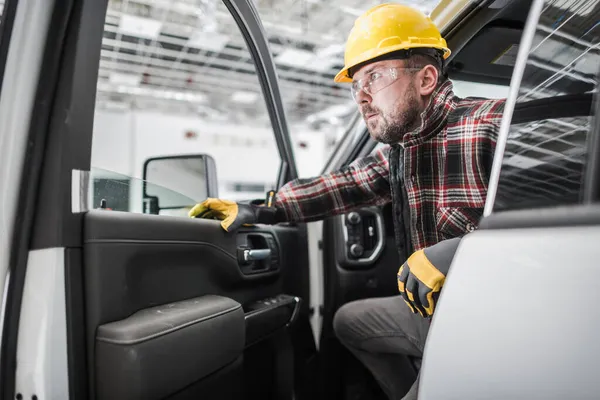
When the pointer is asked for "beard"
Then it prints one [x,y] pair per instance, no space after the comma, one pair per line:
[390,129]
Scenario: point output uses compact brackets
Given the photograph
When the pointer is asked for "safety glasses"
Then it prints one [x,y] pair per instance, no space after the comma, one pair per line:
[377,80]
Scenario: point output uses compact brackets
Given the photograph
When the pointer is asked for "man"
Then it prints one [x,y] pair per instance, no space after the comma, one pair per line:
[435,172]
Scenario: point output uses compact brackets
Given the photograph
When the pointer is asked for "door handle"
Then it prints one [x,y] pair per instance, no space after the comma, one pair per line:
[256,254]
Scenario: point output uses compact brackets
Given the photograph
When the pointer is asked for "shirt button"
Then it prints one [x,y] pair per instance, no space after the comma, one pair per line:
[470,227]
[412,179]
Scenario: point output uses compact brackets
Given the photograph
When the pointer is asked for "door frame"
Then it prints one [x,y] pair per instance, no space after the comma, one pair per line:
[57,153]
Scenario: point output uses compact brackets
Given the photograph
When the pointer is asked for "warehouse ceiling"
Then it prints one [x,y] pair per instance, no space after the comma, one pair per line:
[187,56]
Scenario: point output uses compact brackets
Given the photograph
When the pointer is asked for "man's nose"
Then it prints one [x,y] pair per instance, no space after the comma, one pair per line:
[362,97]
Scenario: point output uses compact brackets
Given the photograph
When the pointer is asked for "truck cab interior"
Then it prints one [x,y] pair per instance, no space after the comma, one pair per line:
[176,308]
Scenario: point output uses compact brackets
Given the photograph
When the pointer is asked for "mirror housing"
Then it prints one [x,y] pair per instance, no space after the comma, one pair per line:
[171,181]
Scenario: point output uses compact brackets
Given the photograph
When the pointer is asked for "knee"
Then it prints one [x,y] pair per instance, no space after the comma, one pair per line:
[346,323]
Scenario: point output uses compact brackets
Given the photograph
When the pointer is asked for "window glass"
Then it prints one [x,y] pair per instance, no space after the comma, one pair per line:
[307,41]
[176,78]
[544,160]
[116,192]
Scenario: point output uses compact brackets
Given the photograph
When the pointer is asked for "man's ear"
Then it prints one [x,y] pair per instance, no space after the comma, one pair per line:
[428,80]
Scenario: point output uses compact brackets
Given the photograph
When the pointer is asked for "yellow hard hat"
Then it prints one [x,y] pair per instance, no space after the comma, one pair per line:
[387,28]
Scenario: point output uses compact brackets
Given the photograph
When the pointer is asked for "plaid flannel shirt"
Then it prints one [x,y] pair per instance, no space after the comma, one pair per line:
[444,170]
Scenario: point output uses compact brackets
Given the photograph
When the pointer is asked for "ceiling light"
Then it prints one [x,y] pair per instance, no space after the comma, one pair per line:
[158,94]
[244,97]
[331,50]
[295,57]
[139,27]
[296,31]
[115,105]
[352,11]
[522,162]
[583,9]
[118,78]
[321,64]
[129,90]
[207,40]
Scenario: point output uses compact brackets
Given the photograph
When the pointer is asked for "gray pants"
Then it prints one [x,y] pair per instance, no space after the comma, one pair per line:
[382,333]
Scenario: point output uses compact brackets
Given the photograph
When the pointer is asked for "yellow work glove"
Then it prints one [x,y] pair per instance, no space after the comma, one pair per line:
[421,277]
[234,215]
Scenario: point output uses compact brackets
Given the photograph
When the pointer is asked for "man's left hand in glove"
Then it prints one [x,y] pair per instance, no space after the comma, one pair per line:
[421,277]
[234,215]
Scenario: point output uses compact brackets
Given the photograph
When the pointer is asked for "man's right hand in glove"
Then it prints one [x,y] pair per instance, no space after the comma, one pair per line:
[233,215]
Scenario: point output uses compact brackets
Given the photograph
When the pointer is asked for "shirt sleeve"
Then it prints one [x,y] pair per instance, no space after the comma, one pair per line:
[365,182]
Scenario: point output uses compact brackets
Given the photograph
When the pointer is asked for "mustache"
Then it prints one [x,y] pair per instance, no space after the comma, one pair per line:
[369,110]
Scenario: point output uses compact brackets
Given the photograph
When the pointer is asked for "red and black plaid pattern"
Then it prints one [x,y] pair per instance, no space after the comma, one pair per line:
[447,164]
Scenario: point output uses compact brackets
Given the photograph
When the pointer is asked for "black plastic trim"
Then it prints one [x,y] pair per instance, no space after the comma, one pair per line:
[480,16]
[162,242]
[543,218]
[69,140]
[591,187]
[572,105]
[75,310]
[247,19]
[6,25]
[267,316]
[28,194]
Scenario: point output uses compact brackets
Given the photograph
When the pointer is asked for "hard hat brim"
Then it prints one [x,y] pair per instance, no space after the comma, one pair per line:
[344,77]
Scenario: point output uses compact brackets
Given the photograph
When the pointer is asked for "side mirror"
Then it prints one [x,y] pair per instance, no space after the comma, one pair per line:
[170,182]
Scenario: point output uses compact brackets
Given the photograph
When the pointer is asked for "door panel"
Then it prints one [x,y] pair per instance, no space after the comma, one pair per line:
[144,272]
[350,276]
[523,330]
[176,342]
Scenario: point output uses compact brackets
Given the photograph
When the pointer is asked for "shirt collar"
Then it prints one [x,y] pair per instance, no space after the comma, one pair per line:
[433,118]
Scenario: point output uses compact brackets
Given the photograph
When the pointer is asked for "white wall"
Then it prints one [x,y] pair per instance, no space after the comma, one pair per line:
[112,142]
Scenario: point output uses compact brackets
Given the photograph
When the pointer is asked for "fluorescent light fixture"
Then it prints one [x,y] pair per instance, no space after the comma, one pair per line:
[320,64]
[156,93]
[584,9]
[207,40]
[244,97]
[522,162]
[296,31]
[352,11]
[115,105]
[332,50]
[139,27]
[118,78]
[295,58]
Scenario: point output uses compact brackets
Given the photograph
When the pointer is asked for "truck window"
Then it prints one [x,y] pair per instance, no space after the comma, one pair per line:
[545,154]
[175,79]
